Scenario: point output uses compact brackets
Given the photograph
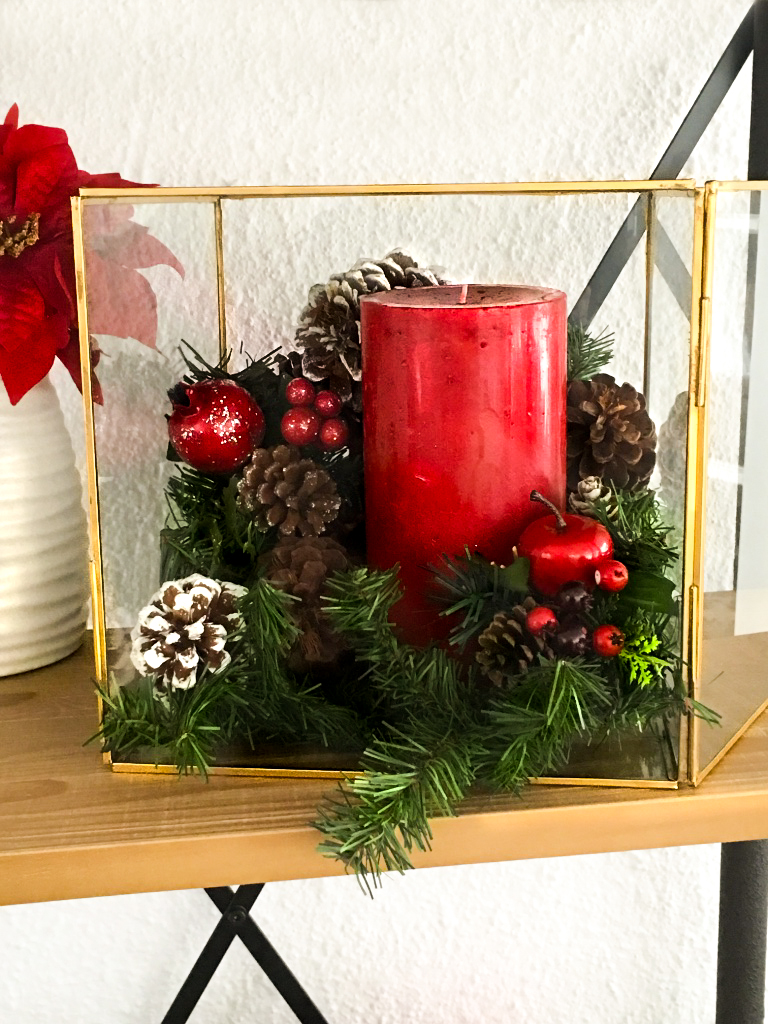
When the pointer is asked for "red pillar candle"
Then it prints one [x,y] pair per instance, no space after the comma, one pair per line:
[464,415]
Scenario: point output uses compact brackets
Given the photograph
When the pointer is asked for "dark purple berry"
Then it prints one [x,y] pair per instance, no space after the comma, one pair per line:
[571,641]
[574,599]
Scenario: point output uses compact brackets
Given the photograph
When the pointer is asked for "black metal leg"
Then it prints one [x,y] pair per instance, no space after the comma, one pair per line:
[235,921]
[742,933]
[270,961]
[234,914]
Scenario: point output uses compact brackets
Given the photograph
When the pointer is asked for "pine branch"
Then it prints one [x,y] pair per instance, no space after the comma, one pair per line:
[587,355]
[635,521]
[207,532]
[559,701]
[378,819]
[475,589]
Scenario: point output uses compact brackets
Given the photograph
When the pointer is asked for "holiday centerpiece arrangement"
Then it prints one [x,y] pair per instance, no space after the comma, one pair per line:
[422,538]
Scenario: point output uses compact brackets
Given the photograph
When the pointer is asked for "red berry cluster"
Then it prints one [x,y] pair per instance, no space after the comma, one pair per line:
[569,636]
[314,418]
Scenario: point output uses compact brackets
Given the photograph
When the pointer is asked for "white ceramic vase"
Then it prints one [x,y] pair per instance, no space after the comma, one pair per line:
[43,537]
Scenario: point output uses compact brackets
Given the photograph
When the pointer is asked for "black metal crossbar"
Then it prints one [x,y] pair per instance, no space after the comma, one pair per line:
[693,126]
[236,922]
[744,871]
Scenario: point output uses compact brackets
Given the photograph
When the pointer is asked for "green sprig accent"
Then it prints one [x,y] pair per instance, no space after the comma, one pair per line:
[587,355]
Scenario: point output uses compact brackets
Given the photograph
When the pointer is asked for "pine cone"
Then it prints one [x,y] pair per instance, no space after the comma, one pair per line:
[184,629]
[328,330]
[590,493]
[300,566]
[610,434]
[508,648]
[279,488]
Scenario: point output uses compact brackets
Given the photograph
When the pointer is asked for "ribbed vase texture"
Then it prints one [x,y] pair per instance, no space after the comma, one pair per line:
[43,537]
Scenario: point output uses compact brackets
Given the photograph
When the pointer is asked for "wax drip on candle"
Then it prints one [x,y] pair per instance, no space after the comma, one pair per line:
[463,296]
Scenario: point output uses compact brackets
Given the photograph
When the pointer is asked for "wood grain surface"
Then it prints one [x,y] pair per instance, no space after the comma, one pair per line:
[71,828]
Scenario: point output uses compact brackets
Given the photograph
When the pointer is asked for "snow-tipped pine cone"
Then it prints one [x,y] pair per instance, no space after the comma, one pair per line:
[184,629]
[329,325]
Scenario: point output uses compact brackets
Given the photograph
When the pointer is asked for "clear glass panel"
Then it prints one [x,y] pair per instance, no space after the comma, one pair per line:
[150,310]
[735,641]
[275,249]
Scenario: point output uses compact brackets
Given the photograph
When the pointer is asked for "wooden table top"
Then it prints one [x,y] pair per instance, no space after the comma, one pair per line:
[71,828]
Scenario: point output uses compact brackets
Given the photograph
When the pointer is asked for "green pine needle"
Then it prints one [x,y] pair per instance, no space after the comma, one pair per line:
[587,355]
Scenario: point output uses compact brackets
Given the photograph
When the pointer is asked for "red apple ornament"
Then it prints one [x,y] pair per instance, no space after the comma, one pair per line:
[215,425]
[563,548]
[611,575]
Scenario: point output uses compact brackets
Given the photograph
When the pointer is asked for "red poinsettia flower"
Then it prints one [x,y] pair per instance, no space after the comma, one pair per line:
[38,314]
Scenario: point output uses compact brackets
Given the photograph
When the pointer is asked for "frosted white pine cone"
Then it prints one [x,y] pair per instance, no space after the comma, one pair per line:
[591,491]
[185,628]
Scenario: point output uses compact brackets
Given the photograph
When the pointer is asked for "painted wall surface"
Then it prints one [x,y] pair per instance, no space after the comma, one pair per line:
[354,91]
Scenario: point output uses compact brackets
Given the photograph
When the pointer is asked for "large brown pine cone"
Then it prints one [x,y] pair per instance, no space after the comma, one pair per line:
[300,566]
[610,434]
[279,488]
[328,330]
[508,648]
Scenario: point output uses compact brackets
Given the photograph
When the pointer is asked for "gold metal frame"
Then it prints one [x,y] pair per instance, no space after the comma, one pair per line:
[691,613]
[696,490]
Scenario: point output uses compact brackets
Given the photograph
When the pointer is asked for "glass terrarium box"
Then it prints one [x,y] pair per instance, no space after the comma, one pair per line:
[385,474]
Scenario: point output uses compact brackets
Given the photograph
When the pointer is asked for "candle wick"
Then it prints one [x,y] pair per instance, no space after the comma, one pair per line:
[463,296]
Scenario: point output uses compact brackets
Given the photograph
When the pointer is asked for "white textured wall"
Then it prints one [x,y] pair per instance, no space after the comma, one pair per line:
[309,91]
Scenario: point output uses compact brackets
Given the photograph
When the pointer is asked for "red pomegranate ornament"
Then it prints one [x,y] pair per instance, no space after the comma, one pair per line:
[563,548]
[611,575]
[608,641]
[215,424]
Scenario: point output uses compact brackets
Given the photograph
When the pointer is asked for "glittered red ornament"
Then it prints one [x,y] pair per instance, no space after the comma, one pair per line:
[611,575]
[540,619]
[328,403]
[215,425]
[300,391]
[563,548]
[300,425]
[333,434]
[608,641]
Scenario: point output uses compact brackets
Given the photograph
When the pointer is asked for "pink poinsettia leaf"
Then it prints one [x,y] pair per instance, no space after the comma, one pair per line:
[22,368]
[22,310]
[120,301]
[70,357]
[134,247]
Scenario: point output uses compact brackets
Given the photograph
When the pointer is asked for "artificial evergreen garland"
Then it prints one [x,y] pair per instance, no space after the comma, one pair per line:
[313,658]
